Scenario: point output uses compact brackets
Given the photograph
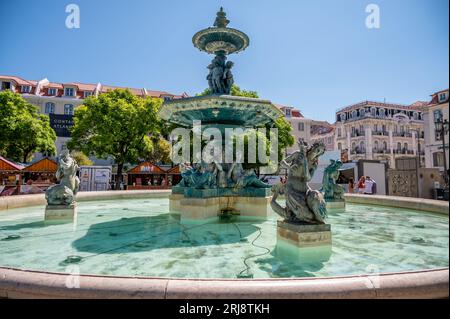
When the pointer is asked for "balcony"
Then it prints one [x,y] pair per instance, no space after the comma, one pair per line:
[357,134]
[358,151]
[380,151]
[405,152]
[402,134]
[380,133]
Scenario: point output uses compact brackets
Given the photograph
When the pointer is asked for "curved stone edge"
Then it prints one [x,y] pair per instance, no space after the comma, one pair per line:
[32,284]
[422,204]
[17,201]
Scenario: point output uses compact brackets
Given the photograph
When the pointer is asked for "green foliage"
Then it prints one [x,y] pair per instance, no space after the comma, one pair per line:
[235,91]
[116,124]
[23,131]
[285,138]
[81,158]
[160,152]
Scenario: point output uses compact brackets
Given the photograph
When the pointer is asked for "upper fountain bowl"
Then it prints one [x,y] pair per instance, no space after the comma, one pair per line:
[220,39]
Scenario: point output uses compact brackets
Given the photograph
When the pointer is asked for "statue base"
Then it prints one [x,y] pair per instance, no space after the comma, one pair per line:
[335,205]
[304,235]
[197,209]
[61,212]
[310,257]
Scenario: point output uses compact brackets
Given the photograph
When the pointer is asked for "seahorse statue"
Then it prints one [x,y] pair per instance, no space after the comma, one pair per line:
[303,204]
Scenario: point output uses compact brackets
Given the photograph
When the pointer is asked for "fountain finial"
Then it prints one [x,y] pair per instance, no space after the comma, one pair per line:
[221,19]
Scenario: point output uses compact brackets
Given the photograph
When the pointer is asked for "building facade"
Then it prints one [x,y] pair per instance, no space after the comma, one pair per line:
[438,108]
[301,126]
[381,131]
[59,100]
[322,131]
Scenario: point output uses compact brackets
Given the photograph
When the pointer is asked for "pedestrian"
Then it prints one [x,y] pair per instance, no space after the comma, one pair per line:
[351,185]
[368,186]
[361,184]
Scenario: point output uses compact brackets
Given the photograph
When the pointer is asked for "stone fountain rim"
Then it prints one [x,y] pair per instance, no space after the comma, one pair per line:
[425,283]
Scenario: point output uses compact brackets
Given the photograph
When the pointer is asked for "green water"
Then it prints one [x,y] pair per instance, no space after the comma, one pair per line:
[141,238]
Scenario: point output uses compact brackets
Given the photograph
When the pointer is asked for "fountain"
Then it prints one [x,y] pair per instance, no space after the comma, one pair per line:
[131,244]
[208,190]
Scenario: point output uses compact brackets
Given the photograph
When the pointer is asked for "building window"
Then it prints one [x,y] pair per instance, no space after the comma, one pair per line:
[384,146]
[405,146]
[26,89]
[330,140]
[52,91]
[399,146]
[376,145]
[437,115]
[49,108]
[68,109]
[340,146]
[301,126]
[69,92]
[287,112]
[339,132]
[442,97]
[438,159]
[6,85]
[87,94]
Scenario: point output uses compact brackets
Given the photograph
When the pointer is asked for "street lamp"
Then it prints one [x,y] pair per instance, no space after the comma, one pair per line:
[442,127]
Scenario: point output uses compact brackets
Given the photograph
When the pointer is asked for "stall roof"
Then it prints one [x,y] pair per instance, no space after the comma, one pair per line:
[347,166]
[44,165]
[146,168]
[6,165]
[174,170]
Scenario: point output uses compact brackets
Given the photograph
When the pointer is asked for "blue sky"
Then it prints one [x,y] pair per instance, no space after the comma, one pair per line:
[315,55]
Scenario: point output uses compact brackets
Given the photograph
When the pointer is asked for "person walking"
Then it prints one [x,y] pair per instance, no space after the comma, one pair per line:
[368,186]
[351,185]
[361,184]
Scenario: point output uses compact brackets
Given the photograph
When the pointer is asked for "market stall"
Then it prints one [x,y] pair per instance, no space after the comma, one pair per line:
[173,176]
[10,176]
[40,174]
[147,175]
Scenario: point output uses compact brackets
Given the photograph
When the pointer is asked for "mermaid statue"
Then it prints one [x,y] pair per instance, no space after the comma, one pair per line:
[303,204]
[65,191]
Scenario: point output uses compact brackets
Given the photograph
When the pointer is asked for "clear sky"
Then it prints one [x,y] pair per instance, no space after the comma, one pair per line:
[315,55]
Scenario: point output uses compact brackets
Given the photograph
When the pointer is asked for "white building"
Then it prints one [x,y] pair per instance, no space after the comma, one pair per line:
[436,109]
[59,100]
[381,131]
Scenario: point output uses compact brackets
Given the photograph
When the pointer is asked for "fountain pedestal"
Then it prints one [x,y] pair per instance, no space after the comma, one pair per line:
[61,212]
[335,205]
[200,204]
[304,235]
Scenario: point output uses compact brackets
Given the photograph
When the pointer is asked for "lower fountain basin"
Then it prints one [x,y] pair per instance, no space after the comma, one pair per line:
[141,238]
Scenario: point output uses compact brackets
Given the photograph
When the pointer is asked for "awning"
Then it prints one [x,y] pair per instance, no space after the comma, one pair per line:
[347,166]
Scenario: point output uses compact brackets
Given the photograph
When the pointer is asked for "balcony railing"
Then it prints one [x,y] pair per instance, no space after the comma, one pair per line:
[380,133]
[402,134]
[409,152]
[358,151]
[357,133]
[380,151]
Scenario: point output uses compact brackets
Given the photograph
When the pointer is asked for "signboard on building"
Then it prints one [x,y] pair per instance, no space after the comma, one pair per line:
[62,124]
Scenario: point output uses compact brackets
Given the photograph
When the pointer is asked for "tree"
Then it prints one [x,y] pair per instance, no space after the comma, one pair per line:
[116,124]
[160,152]
[235,91]
[82,159]
[23,131]
[285,138]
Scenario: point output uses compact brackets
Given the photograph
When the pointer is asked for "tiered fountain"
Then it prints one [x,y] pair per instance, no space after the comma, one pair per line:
[207,190]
